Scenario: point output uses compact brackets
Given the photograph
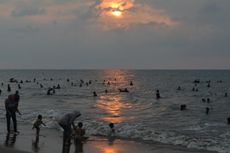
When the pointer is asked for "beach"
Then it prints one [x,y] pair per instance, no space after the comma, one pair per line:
[140,119]
[50,141]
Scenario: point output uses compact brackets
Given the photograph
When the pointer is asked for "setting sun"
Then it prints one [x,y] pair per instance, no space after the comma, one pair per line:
[116,13]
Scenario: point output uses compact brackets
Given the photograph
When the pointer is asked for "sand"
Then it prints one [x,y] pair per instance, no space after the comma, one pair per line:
[50,141]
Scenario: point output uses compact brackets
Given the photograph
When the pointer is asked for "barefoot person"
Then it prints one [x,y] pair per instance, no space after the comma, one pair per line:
[11,106]
[37,124]
[66,122]
[79,133]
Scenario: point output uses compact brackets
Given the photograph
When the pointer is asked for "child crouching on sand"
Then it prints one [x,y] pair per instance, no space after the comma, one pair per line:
[37,124]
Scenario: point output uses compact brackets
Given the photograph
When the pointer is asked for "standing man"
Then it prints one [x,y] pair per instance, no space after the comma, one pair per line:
[11,106]
[66,122]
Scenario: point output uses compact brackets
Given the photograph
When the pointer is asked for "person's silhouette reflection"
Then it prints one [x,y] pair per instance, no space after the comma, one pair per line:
[10,139]
[35,144]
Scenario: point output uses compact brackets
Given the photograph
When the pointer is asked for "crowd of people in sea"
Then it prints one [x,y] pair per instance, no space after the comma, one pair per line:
[70,130]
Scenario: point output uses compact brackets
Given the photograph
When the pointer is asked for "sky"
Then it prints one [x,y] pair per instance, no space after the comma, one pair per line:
[102,34]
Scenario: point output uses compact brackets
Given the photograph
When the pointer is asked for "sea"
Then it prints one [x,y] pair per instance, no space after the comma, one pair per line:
[137,114]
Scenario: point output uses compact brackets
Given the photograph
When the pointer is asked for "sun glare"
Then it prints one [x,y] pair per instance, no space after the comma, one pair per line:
[116,13]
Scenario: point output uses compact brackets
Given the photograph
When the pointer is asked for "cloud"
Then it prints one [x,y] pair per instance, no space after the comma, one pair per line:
[123,14]
[27,11]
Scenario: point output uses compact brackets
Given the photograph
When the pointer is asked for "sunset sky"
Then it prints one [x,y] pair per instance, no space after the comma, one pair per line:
[131,34]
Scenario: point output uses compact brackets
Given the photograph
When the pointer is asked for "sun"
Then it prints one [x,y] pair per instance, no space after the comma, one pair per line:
[116,13]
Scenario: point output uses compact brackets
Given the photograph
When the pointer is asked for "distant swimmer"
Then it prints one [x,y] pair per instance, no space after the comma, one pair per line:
[41,86]
[67,79]
[208,85]
[19,86]
[183,107]
[207,110]
[203,100]
[208,100]
[8,88]
[131,83]
[94,94]
[226,94]
[2,84]
[106,91]
[228,120]
[158,94]
[0,92]
[58,86]
[178,88]
[193,89]
[123,90]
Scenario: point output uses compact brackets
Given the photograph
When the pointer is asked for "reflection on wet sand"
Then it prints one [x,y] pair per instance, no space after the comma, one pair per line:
[108,148]
[10,140]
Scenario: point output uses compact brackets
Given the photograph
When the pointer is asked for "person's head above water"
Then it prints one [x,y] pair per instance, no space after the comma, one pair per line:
[111,125]
[80,124]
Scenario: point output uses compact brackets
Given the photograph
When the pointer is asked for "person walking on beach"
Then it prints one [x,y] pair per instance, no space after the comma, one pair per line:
[11,106]
[66,122]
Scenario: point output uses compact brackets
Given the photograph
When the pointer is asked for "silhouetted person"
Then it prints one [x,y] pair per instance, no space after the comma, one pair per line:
[19,86]
[11,106]
[2,83]
[37,124]
[226,94]
[131,83]
[208,100]
[183,107]
[203,100]
[228,120]
[41,86]
[58,86]
[178,88]
[158,94]
[79,133]
[8,88]
[111,134]
[207,110]
[66,122]
[94,94]
[106,91]
[0,92]
[123,90]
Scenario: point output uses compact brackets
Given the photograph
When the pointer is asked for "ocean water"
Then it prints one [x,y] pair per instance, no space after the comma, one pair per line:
[137,115]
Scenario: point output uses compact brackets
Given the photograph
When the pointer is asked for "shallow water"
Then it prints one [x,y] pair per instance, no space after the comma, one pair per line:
[138,114]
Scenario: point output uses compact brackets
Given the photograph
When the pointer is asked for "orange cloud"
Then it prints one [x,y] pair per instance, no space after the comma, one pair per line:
[129,14]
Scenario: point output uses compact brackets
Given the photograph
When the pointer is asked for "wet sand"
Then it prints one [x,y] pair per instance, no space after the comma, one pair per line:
[50,141]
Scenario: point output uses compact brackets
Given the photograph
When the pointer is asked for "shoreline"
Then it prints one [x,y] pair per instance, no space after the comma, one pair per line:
[50,141]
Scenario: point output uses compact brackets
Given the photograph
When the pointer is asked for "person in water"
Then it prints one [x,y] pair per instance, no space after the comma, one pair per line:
[66,122]
[158,94]
[37,124]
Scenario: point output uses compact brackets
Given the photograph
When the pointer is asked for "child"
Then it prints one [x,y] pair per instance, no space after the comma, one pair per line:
[37,124]
[112,130]
[79,133]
